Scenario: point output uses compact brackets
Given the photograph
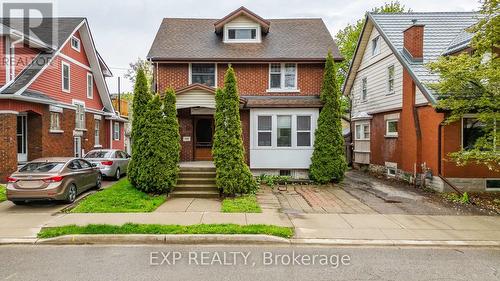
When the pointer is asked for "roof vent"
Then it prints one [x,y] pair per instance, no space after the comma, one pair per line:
[414,21]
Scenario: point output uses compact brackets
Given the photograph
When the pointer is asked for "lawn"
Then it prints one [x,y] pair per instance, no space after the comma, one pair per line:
[3,196]
[121,197]
[243,204]
[130,228]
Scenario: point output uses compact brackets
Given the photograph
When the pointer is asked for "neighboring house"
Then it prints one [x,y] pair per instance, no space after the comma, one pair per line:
[121,106]
[397,130]
[53,96]
[279,68]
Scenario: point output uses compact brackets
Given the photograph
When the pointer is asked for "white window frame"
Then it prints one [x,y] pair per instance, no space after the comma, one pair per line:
[116,134]
[190,78]
[78,48]
[391,134]
[258,37]
[282,87]
[79,124]
[64,64]
[97,132]
[360,127]
[264,131]
[391,79]
[364,89]
[375,46]
[90,90]
[297,131]
[391,172]
[292,131]
[55,122]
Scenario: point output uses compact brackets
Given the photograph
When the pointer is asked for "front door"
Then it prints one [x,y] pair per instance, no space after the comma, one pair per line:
[22,138]
[203,135]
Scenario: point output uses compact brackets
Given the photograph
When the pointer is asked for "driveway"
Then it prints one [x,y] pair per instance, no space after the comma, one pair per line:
[25,221]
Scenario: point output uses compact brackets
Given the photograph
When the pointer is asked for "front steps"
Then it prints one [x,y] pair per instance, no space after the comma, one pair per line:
[196,182]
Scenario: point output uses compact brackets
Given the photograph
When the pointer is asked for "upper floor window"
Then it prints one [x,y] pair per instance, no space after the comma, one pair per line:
[79,115]
[203,73]
[75,43]
[116,131]
[390,79]
[376,46]
[90,86]
[364,89]
[362,131]
[66,76]
[283,76]
[242,33]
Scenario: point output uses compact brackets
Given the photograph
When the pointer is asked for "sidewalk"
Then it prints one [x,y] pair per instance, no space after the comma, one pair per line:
[307,226]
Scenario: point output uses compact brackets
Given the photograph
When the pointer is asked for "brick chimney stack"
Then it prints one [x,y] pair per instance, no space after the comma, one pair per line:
[414,41]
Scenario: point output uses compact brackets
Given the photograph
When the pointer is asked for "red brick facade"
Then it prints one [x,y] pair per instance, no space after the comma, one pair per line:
[253,79]
[8,145]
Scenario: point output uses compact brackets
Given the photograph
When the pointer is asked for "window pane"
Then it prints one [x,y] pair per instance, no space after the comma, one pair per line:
[303,123]
[203,74]
[392,126]
[264,138]
[472,131]
[290,75]
[284,131]
[275,81]
[231,34]
[366,131]
[264,123]
[275,68]
[358,131]
[303,139]
[244,34]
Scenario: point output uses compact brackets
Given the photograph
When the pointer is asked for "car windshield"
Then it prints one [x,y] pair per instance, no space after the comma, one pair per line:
[97,154]
[42,167]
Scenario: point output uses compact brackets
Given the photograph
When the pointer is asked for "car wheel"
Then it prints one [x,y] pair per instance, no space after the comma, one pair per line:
[98,182]
[117,174]
[70,198]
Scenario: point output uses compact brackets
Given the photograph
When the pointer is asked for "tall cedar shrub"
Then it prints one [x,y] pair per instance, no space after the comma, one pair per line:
[328,159]
[142,97]
[173,136]
[233,174]
[154,175]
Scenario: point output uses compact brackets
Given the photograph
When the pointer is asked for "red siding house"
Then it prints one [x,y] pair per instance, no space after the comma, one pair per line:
[279,68]
[53,95]
[397,130]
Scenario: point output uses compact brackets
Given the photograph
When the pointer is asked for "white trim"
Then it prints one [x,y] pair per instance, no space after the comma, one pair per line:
[282,88]
[91,94]
[8,58]
[53,108]
[83,127]
[97,117]
[364,87]
[73,37]
[362,132]
[72,60]
[390,134]
[56,131]
[63,64]
[9,112]
[242,26]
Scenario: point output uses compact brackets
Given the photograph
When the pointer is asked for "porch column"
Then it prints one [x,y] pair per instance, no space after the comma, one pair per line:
[8,143]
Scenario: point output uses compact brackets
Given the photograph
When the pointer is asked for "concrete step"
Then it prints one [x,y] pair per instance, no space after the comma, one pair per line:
[197,185]
[197,169]
[196,181]
[195,194]
[192,174]
[195,188]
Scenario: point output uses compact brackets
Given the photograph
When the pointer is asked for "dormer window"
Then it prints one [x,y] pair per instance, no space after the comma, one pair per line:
[241,33]
[236,33]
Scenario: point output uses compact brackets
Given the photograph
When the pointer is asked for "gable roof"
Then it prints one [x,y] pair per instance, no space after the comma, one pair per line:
[191,39]
[440,31]
[242,11]
[65,28]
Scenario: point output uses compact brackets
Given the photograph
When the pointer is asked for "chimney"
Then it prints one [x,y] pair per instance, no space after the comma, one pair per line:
[414,41]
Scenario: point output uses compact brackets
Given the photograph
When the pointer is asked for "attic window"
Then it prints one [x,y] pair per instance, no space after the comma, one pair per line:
[75,43]
[242,33]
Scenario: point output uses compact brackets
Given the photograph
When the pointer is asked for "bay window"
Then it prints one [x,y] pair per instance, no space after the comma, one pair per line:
[284,131]
[264,130]
[303,130]
[362,131]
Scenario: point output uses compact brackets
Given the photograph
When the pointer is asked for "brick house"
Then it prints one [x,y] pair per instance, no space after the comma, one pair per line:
[279,68]
[397,131]
[53,95]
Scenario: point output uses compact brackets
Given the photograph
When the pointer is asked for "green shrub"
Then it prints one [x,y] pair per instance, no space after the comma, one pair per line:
[272,180]
[172,135]
[233,174]
[328,161]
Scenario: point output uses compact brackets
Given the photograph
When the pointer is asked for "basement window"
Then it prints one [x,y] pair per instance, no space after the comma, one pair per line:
[492,184]
[391,172]
[286,173]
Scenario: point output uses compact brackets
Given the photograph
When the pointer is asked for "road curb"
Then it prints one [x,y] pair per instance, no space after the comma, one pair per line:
[163,239]
[396,243]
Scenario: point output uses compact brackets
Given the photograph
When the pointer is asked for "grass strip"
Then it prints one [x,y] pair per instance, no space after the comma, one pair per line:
[243,204]
[131,228]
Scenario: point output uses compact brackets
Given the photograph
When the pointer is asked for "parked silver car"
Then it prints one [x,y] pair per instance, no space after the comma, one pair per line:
[111,162]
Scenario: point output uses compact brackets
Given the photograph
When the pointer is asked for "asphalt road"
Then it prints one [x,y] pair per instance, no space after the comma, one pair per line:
[245,263]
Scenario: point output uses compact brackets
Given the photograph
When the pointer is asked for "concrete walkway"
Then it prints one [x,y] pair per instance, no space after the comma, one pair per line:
[307,226]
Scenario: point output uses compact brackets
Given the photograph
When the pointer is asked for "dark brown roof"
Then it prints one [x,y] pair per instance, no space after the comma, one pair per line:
[238,12]
[287,40]
[283,101]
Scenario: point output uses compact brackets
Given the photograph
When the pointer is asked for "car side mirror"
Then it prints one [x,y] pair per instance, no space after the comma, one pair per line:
[94,165]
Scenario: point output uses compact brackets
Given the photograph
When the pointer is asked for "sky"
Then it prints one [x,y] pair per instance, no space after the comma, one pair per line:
[123,30]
